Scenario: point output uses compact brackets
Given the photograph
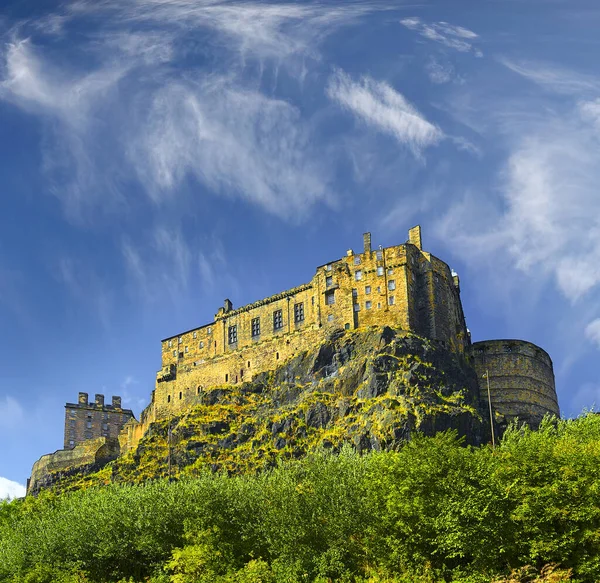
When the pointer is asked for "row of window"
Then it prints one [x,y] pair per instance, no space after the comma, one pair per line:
[369,304]
[358,275]
[255,326]
[194,334]
[358,261]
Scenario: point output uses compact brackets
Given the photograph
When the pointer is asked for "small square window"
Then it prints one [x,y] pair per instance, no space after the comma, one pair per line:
[367,289]
[299,312]
[174,352]
[277,320]
[354,292]
[71,443]
[330,298]
[368,305]
[379,304]
[390,271]
[357,307]
[329,281]
[255,327]
[392,300]
[209,331]
[380,271]
[357,260]
[201,344]
[379,255]
[328,268]
[232,334]
[330,318]
[181,355]
[392,284]
[378,289]
[186,349]
[358,275]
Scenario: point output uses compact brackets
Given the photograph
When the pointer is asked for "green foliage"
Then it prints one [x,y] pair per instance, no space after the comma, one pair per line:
[435,510]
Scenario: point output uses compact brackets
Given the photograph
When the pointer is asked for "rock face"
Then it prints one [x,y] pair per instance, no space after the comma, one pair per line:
[371,389]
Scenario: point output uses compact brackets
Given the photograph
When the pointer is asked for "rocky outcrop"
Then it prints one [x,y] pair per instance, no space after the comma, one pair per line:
[371,389]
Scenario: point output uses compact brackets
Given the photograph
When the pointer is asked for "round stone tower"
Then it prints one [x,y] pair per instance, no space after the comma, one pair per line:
[521,379]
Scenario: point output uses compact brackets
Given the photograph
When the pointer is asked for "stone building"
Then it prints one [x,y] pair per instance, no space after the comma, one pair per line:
[84,421]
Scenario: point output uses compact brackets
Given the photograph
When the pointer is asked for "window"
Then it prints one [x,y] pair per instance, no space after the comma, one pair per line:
[392,300]
[170,343]
[379,255]
[255,327]
[357,307]
[368,305]
[277,356]
[72,422]
[357,260]
[392,284]
[105,426]
[168,398]
[329,281]
[358,275]
[330,318]
[89,424]
[180,340]
[390,271]
[195,335]
[186,348]
[354,293]
[181,355]
[232,334]
[378,289]
[367,289]
[299,312]
[71,443]
[380,271]
[201,344]
[328,268]
[180,395]
[379,304]
[226,378]
[277,320]
[330,298]
[174,352]
[209,331]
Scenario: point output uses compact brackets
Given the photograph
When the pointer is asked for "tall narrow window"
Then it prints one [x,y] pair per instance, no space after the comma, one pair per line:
[379,255]
[367,289]
[255,327]
[357,260]
[391,285]
[277,320]
[233,334]
[358,275]
[357,307]
[392,300]
[299,312]
[330,298]
[354,292]
[368,305]
[380,270]
[329,281]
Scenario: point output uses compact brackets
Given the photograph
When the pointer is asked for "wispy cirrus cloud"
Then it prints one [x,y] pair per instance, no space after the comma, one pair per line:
[553,77]
[450,35]
[592,332]
[379,105]
[125,112]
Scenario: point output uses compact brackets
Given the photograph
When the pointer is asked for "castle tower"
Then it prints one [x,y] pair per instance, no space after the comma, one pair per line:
[85,420]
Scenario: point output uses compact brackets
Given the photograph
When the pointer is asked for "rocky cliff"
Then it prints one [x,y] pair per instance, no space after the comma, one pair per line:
[369,388]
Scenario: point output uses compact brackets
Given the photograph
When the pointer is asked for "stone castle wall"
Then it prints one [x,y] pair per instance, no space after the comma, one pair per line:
[521,379]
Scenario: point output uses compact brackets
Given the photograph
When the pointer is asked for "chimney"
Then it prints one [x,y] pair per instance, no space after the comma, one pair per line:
[228,305]
[414,236]
[99,400]
[367,242]
[116,402]
[83,399]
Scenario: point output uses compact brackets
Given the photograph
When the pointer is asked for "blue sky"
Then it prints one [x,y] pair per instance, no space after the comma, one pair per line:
[159,156]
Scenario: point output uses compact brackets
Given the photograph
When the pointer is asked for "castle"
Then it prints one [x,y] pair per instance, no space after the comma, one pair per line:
[401,286]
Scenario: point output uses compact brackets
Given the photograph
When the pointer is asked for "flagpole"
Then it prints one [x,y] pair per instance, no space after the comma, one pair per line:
[487,376]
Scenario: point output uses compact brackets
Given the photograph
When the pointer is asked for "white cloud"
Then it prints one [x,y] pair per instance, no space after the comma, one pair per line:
[449,35]
[439,72]
[592,332]
[553,77]
[379,105]
[11,412]
[548,222]
[10,489]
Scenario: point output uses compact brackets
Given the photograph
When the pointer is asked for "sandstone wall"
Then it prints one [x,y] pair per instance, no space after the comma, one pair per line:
[521,379]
